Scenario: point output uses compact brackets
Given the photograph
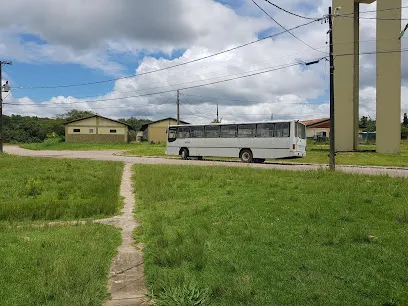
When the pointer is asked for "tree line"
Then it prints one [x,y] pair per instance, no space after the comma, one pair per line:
[370,125]
[26,129]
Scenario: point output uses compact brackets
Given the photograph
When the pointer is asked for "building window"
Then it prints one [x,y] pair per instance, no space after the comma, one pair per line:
[113,131]
[91,130]
[77,130]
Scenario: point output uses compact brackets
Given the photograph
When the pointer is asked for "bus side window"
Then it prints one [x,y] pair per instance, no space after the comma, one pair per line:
[285,129]
[229,131]
[183,132]
[266,130]
[212,131]
[197,132]
[278,130]
[246,131]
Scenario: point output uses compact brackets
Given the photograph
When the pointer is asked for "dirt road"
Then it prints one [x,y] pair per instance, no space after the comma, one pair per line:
[114,156]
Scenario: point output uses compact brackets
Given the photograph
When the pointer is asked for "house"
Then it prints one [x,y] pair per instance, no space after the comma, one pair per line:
[317,128]
[156,131]
[320,128]
[96,129]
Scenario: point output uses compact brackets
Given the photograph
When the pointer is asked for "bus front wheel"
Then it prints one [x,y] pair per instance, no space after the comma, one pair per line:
[184,153]
[246,156]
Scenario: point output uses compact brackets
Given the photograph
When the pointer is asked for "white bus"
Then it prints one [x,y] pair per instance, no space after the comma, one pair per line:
[251,142]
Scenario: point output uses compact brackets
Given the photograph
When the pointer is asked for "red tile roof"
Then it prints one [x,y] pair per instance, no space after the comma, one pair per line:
[315,121]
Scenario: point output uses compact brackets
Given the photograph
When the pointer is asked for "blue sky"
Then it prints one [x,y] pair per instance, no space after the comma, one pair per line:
[119,36]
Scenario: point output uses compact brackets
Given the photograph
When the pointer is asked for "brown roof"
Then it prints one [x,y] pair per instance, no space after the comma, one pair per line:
[144,126]
[99,117]
[315,121]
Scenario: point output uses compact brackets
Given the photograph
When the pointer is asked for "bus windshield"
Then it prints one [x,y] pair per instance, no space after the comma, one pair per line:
[300,130]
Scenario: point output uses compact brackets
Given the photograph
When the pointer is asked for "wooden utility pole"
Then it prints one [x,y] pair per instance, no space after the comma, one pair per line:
[178,107]
[1,104]
[217,114]
[332,164]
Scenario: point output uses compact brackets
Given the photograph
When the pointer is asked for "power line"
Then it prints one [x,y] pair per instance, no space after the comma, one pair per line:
[374,11]
[211,83]
[169,67]
[189,87]
[373,52]
[372,18]
[305,43]
[291,13]
[253,101]
[233,67]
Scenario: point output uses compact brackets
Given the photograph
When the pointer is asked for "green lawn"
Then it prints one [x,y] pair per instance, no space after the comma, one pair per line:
[242,236]
[47,189]
[59,145]
[318,154]
[147,149]
[56,266]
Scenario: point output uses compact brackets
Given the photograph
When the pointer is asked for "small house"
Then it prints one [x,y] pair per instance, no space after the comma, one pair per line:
[96,129]
[156,131]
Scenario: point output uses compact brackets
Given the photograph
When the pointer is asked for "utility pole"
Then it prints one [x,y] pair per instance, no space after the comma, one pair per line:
[217,113]
[332,164]
[5,88]
[178,107]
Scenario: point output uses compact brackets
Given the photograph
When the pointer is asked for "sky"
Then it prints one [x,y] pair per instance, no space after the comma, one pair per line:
[114,47]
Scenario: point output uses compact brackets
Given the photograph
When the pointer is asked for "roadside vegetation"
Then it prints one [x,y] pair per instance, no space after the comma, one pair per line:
[56,264]
[59,144]
[242,236]
[66,265]
[58,189]
[319,154]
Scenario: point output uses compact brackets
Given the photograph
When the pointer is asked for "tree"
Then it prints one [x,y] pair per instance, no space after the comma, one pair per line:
[74,114]
[216,121]
[405,121]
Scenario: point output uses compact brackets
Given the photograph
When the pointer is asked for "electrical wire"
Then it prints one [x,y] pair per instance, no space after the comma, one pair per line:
[371,18]
[169,67]
[302,41]
[235,100]
[374,11]
[189,87]
[291,13]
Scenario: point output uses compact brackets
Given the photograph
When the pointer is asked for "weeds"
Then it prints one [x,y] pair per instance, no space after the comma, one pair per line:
[46,189]
[325,242]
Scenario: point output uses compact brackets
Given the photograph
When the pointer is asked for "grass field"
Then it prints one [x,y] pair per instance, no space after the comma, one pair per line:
[235,236]
[60,145]
[56,266]
[47,189]
[318,154]
[146,149]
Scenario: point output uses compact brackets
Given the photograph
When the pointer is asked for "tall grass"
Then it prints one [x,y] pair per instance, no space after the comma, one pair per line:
[262,237]
[56,266]
[48,189]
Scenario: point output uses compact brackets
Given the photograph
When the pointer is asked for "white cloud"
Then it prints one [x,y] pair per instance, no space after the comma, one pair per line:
[202,27]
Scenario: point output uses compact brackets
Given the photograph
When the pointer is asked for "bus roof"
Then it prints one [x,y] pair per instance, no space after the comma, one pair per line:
[238,123]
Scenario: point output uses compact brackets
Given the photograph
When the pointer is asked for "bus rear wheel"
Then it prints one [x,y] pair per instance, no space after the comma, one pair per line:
[246,156]
[184,153]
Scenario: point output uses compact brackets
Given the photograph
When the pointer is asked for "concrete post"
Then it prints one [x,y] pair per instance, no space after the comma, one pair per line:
[388,77]
[346,74]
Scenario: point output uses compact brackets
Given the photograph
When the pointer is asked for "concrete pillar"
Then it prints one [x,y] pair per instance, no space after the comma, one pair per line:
[388,77]
[346,75]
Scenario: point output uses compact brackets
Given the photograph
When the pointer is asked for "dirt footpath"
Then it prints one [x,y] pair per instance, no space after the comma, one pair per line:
[115,156]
